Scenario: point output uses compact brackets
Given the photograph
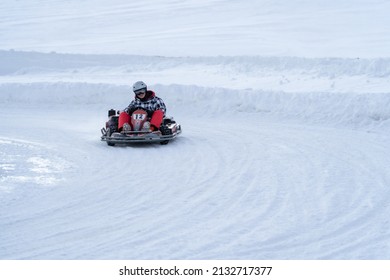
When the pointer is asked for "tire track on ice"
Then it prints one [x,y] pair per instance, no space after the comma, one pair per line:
[345,223]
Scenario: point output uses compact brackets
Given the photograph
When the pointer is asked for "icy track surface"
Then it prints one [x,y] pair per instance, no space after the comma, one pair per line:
[256,174]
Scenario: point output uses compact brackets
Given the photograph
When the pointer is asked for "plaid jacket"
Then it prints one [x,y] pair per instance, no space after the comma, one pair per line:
[153,103]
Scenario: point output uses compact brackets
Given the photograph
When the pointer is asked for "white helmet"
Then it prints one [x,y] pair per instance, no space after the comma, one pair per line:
[140,85]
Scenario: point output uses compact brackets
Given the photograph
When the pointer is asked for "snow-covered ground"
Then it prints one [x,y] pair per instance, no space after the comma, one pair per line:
[285,109]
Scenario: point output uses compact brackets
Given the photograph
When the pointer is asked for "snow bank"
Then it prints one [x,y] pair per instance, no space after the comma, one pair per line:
[204,85]
[356,109]
[329,108]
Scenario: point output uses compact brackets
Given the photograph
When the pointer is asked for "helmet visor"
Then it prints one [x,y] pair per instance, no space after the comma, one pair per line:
[140,91]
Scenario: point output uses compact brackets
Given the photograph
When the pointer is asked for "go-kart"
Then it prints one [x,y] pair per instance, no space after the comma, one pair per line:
[140,133]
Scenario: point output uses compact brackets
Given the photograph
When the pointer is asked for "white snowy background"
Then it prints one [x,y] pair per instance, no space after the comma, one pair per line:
[285,109]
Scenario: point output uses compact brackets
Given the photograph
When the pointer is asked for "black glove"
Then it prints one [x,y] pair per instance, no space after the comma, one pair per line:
[150,113]
[130,110]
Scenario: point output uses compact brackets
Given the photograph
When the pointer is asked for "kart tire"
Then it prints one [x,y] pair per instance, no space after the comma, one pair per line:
[108,134]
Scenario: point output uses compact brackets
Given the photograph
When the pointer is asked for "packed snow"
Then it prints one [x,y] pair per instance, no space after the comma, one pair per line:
[285,110]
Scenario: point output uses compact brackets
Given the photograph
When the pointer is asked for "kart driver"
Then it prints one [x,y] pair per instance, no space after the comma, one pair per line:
[147,100]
